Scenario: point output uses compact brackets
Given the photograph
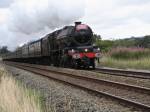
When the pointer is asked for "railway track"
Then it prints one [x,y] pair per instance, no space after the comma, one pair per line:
[138,97]
[125,73]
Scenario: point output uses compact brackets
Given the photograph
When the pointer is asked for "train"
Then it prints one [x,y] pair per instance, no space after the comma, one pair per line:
[71,46]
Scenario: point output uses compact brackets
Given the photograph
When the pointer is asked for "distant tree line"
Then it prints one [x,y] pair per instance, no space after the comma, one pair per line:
[4,50]
[105,45]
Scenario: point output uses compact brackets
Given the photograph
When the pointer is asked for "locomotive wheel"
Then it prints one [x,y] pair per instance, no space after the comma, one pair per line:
[74,64]
[64,62]
[93,65]
[61,62]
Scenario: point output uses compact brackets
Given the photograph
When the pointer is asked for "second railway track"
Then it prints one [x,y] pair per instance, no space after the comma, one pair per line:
[129,94]
[125,73]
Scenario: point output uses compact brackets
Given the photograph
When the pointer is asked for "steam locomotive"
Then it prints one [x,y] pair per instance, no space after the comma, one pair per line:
[71,46]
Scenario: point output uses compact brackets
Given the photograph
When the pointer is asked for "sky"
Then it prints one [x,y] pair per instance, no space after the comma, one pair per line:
[22,21]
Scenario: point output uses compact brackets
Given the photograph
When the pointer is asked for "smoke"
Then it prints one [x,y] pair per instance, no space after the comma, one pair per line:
[31,16]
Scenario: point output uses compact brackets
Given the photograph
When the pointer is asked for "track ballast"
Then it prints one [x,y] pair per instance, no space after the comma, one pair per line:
[138,97]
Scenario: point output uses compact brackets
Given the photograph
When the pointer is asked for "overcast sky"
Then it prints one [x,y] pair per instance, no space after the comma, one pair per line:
[25,20]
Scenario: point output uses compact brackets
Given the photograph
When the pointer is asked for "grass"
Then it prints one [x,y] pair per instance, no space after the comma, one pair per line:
[16,98]
[134,58]
[143,63]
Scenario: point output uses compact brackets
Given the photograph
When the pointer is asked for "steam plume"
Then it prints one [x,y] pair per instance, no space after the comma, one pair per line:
[31,16]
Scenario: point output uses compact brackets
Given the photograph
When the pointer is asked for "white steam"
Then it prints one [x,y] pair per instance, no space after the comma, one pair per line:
[31,16]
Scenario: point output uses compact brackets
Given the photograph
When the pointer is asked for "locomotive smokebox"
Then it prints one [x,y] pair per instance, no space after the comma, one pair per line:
[77,23]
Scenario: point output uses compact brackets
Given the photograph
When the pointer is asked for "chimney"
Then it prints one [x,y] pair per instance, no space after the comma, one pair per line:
[77,23]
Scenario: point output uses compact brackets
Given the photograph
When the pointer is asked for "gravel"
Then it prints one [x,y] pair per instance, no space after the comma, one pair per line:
[122,79]
[60,97]
[127,80]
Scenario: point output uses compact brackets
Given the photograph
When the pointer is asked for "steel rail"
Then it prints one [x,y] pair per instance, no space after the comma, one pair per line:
[84,82]
[125,73]
[90,77]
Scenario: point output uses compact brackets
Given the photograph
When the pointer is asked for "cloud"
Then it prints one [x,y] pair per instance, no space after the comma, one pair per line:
[133,27]
[30,16]
[25,20]
[14,39]
[3,15]
[5,3]
[113,18]
[28,20]
[132,2]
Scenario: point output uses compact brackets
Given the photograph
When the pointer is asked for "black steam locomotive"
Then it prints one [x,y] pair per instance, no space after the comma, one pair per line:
[71,46]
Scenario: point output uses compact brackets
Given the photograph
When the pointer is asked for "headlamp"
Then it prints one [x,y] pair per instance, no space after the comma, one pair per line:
[72,50]
[86,50]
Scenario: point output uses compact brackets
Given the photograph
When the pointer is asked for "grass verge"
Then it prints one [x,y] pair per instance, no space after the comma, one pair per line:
[16,98]
[142,63]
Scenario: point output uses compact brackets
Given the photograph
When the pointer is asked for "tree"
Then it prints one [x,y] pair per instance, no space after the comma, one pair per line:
[4,50]
[96,38]
[145,42]
[104,45]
